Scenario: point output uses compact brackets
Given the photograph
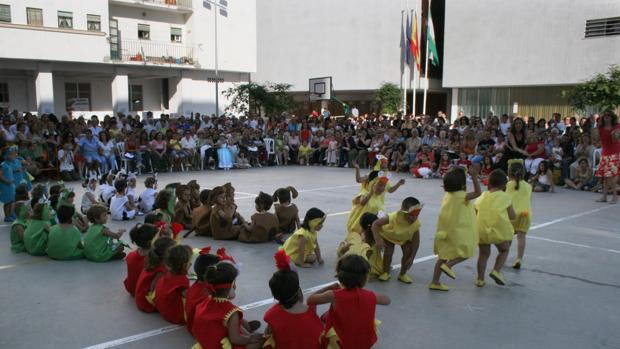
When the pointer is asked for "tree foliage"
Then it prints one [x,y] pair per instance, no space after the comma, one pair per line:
[390,97]
[602,92]
[251,98]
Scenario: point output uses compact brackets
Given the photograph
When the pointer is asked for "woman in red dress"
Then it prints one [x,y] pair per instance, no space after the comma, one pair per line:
[609,133]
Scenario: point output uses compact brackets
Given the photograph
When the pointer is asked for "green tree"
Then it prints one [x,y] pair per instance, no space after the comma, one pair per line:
[601,91]
[390,97]
[250,98]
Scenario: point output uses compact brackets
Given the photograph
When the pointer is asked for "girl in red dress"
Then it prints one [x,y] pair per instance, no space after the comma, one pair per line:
[200,289]
[444,164]
[141,235]
[153,269]
[218,323]
[171,288]
[291,323]
[609,168]
[350,321]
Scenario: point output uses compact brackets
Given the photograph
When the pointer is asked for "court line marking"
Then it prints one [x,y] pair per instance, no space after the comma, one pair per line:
[574,244]
[250,195]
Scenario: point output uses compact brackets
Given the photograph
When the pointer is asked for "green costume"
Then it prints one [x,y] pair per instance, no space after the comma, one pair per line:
[98,247]
[36,233]
[65,243]
[17,243]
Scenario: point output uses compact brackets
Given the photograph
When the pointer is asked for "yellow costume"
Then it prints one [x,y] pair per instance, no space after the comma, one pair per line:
[375,204]
[376,263]
[522,204]
[358,247]
[457,234]
[494,226]
[398,230]
[291,245]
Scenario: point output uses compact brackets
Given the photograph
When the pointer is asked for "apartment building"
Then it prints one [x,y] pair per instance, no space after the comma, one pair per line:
[107,56]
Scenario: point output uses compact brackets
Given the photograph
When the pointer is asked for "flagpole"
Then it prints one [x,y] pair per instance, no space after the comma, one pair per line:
[402,56]
[404,71]
[426,82]
[414,17]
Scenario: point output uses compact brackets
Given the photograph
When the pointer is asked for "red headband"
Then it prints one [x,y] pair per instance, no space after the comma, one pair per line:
[205,250]
[283,261]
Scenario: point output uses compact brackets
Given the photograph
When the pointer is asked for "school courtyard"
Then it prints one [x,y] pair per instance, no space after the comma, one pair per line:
[565,296]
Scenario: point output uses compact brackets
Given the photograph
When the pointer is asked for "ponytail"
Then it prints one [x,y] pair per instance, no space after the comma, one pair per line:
[516,171]
[157,253]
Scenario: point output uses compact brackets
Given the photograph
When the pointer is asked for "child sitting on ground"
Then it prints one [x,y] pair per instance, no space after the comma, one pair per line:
[100,243]
[350,320]
[142,236]
[171,288]
[194,191]
[147,198]
[423,168]
[290,323]
[37,230]
[542,181]
[183,207]
[264,226]
[90,196]
[154,268]
[131,192]
[201,216]
[121,209]
[65,240]
[67,197]
[444,164]
[226,223]
[18,227]
[200,289]
[106,189]
[363,244]
[303,246]
[286,211]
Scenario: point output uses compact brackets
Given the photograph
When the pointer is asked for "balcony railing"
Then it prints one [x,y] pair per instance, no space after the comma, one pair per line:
[153,52]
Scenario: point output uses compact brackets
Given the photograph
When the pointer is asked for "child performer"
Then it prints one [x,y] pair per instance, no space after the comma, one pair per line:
[141,235]
[264,226]
[373,200]
[121,209]
[131,192]
[521,193]
[226,223]
[457,236]
[287,212]
[350,320]
[183,207]
[147,197]
[200,289]
[99,244]
[302,246]
[399,228]
[171,288]
[7,183]
[37,230]
[90,196]
[363,244]
[194,189]
[65,240]
[201,215]
[107,189]
[494,215]
[218,323]
[18,227]
[154,268]
[290,323]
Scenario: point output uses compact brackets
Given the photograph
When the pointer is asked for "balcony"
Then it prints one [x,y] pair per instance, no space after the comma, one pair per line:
[153,53]
[179,6]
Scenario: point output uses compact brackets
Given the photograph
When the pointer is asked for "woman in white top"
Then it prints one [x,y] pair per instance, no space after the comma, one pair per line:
[107,148]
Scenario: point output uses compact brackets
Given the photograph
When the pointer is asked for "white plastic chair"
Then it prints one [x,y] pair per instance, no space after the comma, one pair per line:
[120,147]
[270,146]
[596,158]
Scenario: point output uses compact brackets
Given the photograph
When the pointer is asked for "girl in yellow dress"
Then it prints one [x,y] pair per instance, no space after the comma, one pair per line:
[494,227]
[363,244]
[399,228]
[521,193]
[302,246]
[366,182]
[457,236]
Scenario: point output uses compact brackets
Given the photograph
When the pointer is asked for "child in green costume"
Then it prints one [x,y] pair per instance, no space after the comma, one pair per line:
[36,233]
[100,243]
[19,226]
[65,240]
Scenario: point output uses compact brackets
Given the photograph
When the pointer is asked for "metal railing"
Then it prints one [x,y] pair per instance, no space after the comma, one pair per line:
[154,52]
[178,3]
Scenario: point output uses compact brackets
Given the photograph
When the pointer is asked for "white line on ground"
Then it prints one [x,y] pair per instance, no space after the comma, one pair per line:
[574,244]
[328,188]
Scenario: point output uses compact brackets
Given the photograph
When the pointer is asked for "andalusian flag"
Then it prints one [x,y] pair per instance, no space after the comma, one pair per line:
[430,37]
[413,38]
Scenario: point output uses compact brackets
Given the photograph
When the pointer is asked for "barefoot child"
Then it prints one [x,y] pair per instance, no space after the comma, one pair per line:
[141,235]
[65,239]
[171,288]
[201,215]
[457,236]
[521,193]
[290,323]
[302,246]
[350,320]
[37,230]
[18,227]
[399,228]
[265,225]
[154,268]
[100,243]
[494,215]
[200,289]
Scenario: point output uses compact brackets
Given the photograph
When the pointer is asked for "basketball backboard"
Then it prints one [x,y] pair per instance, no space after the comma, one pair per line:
[320,88]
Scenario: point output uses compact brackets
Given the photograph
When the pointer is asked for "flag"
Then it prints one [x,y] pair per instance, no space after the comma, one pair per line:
[413,40]
[430,37]
[408,40]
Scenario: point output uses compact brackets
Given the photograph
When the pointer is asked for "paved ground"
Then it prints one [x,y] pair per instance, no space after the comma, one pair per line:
[567,295]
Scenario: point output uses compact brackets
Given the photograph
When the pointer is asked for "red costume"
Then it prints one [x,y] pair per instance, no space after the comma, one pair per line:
[135,265]
[299,331]
[143,286]
[198,292]
[211,322]
[352,319]
[169,297]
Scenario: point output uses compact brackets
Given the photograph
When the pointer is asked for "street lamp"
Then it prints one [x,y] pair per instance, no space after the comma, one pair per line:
[216,5]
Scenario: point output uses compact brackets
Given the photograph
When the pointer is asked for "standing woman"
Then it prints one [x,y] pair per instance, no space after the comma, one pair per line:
[515,148]
[609,134]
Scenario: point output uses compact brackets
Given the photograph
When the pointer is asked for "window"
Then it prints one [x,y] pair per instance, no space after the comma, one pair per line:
[65,19]
[5,13]
[77,96]
[144,31]
[176,35]
[135,96]
[602,27]
[4,94]
[34,16]
[93,23]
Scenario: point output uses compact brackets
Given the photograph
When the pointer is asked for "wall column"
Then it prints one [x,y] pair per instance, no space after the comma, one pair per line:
[181,96]
[454,106]
[44,91]
[120,93]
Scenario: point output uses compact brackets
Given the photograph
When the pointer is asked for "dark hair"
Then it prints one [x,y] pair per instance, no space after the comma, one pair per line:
[56,189]
[156,254]
[21,192]
[150,181]
[352,271]
[142,235]
[310,215]
[366,222]
[152,218]
[180,190]
[177,257]
[283,195]
[65,214]
[215,192]
[95,212]
[37,211]
[614,119]
[264,201]
[516,171]
[54,200]
[204,197]
[120,185]
[37,193]
[497,178]
[372,175]
[543,163]
[284,285]
[201,264]
[162,199]
[514,131]
[409,202]
[221,273]
[454,179]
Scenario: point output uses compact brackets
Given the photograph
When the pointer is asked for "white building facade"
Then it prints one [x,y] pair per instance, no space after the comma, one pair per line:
[129,56]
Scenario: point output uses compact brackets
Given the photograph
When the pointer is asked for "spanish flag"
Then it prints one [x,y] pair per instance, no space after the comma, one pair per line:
[413,41]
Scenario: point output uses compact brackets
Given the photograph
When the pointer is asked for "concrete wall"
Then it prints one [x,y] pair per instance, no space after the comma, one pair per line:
[526,42]
[79,8]
[20,96]
[160,22]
